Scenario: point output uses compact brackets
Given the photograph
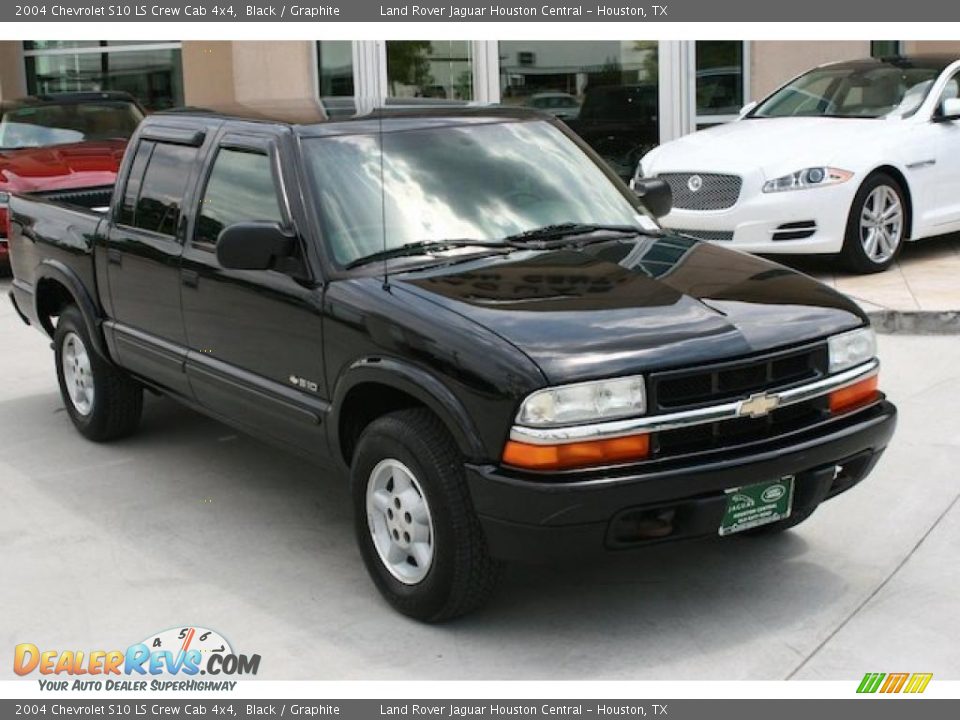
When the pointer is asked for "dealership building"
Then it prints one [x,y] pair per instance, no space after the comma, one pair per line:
[669,87]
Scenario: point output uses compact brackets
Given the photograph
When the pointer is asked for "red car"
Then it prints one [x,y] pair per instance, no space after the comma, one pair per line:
[62,142]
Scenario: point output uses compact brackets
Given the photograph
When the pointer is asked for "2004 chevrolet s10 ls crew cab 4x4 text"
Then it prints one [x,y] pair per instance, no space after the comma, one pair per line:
[469,313]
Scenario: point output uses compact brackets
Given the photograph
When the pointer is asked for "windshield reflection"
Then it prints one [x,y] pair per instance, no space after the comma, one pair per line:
[476,181]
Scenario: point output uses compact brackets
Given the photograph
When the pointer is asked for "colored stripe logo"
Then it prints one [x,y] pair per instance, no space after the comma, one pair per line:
[888,683]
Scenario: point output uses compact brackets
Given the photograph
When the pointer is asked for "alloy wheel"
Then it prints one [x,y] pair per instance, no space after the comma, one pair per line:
[399,520]
[881,224]
[77,373]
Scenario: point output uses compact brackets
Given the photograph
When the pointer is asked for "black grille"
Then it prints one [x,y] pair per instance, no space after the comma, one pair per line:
[729,433]
[679,389]
[708,235]
[703,191]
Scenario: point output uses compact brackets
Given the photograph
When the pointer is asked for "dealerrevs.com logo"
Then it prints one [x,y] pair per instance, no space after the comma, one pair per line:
[169,660]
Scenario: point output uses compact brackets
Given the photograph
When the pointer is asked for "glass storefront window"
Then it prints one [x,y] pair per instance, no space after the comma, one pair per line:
[335,68]
[719,88]
[153,75]
[606,91]
[884,48]
[430,69]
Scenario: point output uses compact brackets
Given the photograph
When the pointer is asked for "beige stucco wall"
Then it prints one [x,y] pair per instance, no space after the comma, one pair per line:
[932,46]
[217,73]
[773,63]
[11,70]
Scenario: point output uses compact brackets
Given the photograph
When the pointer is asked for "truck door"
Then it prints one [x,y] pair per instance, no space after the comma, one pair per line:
[255,337]
[143,249]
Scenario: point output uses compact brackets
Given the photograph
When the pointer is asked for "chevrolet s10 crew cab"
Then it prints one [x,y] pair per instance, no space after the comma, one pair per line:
[465,311]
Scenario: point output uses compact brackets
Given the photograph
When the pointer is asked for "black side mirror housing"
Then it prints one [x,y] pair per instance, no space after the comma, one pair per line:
[254,246]
[655,194]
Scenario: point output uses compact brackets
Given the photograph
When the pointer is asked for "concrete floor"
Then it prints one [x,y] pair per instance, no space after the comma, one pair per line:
[923,279]
[189,523]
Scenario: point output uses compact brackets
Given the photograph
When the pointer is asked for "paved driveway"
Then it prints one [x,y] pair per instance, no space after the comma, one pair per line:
[189,523]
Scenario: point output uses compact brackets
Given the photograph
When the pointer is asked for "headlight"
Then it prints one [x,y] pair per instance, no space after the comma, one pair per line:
[809,178]
[585,402]
[851,348]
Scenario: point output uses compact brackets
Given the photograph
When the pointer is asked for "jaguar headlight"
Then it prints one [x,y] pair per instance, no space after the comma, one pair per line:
[807,178]
[851,348]
[585,402]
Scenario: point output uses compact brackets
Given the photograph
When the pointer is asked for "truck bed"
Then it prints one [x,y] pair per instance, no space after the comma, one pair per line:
[55,232]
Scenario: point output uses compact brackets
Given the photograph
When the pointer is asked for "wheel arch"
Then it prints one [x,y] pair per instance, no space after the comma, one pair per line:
[56,286]
[374,386]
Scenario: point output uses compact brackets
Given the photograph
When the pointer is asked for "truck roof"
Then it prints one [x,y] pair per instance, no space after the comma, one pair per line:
[67,98]
[333,116]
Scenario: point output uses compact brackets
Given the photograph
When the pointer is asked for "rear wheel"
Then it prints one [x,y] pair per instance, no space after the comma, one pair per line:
[419,536]
[877,225]
[103,402]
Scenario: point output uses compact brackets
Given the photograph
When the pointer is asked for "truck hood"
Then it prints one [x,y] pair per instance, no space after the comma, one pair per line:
[624,307]
[776,145]
[61,167]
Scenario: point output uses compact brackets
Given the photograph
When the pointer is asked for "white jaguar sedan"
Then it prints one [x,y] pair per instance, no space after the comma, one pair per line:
[852,158]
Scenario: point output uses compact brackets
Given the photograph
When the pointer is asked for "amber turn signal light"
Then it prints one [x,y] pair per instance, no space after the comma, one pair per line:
[854,396]
[576,454]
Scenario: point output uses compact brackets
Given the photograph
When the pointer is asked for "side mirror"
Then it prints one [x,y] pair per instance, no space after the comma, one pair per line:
[949,110]
[745,110]
[254,246]
[655,194]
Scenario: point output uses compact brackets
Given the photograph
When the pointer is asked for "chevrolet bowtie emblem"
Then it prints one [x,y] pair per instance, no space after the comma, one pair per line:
[759,405]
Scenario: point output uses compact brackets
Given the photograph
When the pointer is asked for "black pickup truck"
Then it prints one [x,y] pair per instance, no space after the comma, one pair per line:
[467,313]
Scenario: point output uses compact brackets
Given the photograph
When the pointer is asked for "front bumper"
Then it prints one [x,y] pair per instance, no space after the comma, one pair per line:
[533,519]
[758,218]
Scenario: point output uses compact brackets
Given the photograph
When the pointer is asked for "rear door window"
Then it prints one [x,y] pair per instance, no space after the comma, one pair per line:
[164,183]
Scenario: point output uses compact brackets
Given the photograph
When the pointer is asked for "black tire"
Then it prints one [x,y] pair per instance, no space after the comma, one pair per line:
[117,399]
[462,575]
[853,254]
[775,528]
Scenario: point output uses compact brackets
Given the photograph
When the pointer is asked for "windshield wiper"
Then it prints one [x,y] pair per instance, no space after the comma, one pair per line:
[565,231]
[425,247]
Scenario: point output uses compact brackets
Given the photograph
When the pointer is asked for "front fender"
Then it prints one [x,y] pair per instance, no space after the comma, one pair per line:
[416,382]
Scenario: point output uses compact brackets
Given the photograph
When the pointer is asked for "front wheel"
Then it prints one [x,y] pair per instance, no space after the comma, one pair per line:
[877,225]
[102,401]
[419,536]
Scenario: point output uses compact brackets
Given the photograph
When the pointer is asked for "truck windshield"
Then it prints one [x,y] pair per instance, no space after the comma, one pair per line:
[482,181]
[851,92]
[61,124]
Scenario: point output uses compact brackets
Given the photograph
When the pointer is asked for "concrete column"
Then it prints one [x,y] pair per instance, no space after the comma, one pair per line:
[223,73]
[13,82]
[208,79]
[919,47]
[772,63]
